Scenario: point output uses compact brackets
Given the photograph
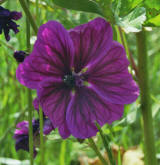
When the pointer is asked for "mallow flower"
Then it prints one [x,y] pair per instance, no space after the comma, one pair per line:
[21,134]
[81,76]
[7,21]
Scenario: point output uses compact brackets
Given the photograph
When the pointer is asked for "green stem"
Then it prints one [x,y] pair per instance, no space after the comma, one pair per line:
[41,136]
[150,154]
[119,157]
[62,152]
[94,147]
[106,145]
[7,45]
[28,14]
[28,31]
[124,43]
[133,64]
[30,126]
[37,11]
[30,115]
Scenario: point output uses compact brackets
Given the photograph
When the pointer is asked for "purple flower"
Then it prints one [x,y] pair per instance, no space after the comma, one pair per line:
[81,76]
[36,104]
[20,56]
[7,23]
[21,134]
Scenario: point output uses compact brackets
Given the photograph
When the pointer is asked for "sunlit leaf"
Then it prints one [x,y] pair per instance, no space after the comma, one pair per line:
[153,4]
[153,17]
[155,21]
[133,21]
[123,7]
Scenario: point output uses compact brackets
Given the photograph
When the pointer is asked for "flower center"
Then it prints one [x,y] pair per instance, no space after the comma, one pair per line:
[73,80]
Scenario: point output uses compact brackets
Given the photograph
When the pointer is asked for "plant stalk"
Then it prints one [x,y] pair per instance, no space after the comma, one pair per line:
[41,136]
[30,115]
[94,147]
[28,14]
[106,145]
[128,52]
[149,145]
[37,11]
[63,152]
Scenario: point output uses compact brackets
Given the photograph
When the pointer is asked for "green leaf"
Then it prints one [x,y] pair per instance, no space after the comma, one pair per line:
[155,21]
[153,17]
[2,1]
[80,5]
[153,4]
[152,13]
[123,7]
[133,21]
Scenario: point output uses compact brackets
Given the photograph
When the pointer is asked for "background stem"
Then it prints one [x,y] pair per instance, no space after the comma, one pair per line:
[128,52]
[28,14]
[37,12]
[94,147]
[106,144]
[63,152]
[30,126]
[150,154]
[41,136]
[30,115]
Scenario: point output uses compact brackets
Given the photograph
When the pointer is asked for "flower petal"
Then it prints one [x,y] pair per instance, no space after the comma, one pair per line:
[51,57]
[111,79]
[15,15]
[36,104]
[85,108]
[63,130]
[47,127]
[23,124]
[22,142]
[91,41]
[22,129]
[54,98]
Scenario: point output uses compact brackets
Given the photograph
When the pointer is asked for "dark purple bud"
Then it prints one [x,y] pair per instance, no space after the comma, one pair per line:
[4,12]
[6,33]
[20,56]
[13,26]
[22,142]
[15,15]
[7,23]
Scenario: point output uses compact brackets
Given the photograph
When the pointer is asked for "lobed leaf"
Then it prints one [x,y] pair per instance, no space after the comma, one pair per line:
[153,17]
[133,21]
[153,4]
[80,5]
[123,7]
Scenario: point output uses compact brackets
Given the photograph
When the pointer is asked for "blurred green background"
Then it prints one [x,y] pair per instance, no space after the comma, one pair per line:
[14,97]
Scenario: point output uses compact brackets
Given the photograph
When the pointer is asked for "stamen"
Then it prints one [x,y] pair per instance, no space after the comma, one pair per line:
[73,80]
[69,80]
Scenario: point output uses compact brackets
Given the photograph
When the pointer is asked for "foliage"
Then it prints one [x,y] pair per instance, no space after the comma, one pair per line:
[83,5]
